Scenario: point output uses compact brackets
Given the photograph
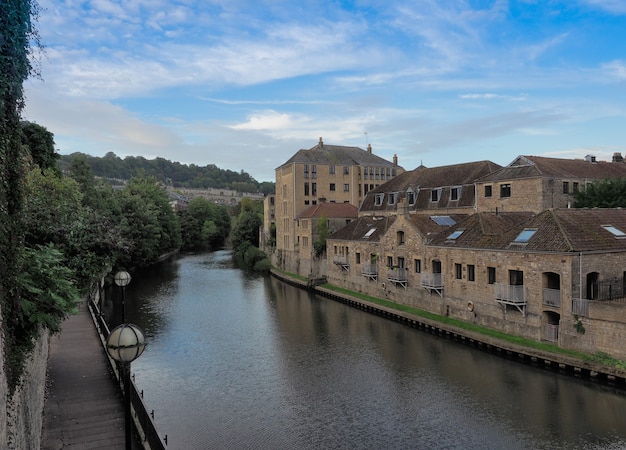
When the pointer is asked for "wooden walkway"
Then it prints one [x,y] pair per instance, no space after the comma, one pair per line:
[84,408]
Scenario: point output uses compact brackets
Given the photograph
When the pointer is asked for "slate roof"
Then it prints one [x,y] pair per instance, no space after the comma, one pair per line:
[541,167]
[338,155]
[557,230]
[359,229]
[330,211]
[423,180]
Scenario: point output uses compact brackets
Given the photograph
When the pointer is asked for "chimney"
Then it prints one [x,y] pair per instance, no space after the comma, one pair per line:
[395,159]
[590,158]
[403,208]
[369,148]
[321,144]
[617,157]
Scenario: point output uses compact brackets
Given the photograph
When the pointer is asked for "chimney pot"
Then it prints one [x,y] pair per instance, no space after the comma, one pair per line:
[369,148]
[321,144]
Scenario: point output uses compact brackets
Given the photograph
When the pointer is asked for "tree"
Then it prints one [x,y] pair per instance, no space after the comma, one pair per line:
[321,229]
[204,225]
[246,230]
[40,144]
[610,193]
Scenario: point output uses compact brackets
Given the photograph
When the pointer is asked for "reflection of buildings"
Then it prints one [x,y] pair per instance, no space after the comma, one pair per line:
[322,174]
[495,246]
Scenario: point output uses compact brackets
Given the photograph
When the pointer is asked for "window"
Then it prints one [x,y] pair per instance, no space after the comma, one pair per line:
[458,271]
[306,188]
[491,275]
[314,189]
[332,187]
[392,198]
[305,241]
[331,170]
[455,234]
[346,170]
[365,189]
[505,190]
[516,278]
[575,186]
[389,261]
[306,171]
[387,174]
[418,265]
[358,258]
[377,173]
[525,236]
[434,195]
[443,220]
[379,199]
[455,193]
[566,187]
[307,202]
[314,171]
[400,237]
[400,262]
[488,191]
[369,232]
[616,232]
[471,272]
[410,197]
[346,187]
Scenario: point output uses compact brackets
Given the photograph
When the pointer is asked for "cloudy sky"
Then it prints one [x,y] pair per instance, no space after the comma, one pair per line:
[244,84]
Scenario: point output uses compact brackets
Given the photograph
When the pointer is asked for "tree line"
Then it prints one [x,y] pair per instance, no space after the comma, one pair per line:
[174,174]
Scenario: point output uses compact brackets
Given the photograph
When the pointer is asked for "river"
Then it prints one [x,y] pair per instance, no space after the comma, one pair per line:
[236,361]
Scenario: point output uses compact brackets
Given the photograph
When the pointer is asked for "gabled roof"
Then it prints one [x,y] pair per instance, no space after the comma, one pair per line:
[542,167]
[365,229]
[558,230]
[423,180]
[330,211]
[338,155]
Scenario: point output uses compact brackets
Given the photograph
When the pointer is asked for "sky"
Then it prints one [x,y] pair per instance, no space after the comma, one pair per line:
[245,84]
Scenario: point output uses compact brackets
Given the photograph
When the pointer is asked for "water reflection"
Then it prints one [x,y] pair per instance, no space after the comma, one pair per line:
[237,361]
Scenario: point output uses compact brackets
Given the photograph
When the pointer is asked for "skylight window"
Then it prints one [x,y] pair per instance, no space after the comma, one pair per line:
[616,232]
[443,220]
[455,235]
[369,232]
[524,236]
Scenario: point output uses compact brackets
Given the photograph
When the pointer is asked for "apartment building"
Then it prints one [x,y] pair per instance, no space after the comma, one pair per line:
[323,174]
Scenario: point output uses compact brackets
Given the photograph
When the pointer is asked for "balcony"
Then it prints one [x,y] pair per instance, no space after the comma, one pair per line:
[370,271]
[552,297]
[580,307]
[433,282]
[551,332]
[342,261]
[398,276]
[514,295]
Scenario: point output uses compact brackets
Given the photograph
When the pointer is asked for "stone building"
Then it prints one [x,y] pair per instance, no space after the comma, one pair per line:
[551,274]
[323,173]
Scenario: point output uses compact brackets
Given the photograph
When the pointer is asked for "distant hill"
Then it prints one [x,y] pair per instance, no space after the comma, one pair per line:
[170,173]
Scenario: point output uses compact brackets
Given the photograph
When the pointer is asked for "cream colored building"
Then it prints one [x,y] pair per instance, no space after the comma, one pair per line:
[323,173]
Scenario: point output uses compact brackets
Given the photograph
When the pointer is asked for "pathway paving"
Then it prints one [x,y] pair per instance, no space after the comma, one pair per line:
[84,408]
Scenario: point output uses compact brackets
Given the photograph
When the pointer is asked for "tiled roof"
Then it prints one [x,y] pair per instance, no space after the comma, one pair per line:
[361,229]
[427,226]
[558,230]
[338,155]
[423,180]
[539,166]
[330,210]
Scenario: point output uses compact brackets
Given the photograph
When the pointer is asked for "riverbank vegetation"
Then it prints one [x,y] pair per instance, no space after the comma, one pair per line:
[245,237]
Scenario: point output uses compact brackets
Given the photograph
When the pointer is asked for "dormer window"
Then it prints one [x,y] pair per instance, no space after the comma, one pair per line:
[378,199]
[410,197]
[393,198]
[455,193]
[435,195]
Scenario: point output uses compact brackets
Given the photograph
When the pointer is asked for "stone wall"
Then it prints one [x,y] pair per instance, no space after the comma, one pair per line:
[22,414]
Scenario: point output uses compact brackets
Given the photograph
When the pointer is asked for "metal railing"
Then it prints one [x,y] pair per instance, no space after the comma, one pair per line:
[147,429]
[580,307]
[511,294]
[551,332]
[552,297]
[432,280]
[369,270]
[399,274]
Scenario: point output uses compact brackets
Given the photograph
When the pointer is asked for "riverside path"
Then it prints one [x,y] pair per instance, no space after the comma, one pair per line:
[84,409]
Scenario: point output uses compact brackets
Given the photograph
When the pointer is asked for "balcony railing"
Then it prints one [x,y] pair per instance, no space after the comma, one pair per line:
[370,271]
[433,282]
[342,261]
[514,295]
[551,332]
[580,307]
[398,276]
[552,297]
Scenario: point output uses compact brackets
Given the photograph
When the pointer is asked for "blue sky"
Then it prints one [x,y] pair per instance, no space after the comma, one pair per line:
[245,84]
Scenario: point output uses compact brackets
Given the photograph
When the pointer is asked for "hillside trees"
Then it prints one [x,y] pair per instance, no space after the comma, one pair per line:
[204,225]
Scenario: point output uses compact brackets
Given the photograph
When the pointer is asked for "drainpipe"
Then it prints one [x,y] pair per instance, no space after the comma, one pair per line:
[580,274]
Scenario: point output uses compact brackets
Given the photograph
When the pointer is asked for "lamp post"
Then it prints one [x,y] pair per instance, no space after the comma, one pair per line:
[126,343]
[122,279]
